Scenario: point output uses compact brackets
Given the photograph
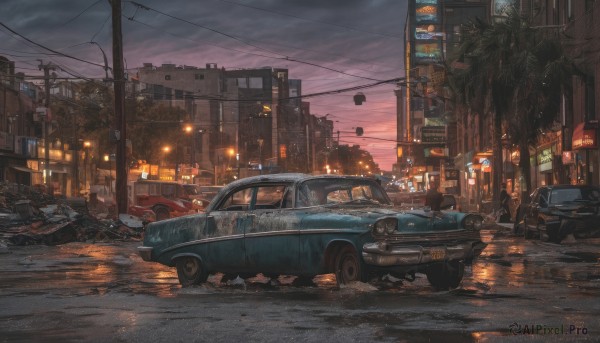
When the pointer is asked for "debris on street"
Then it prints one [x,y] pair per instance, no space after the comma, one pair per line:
[28,216]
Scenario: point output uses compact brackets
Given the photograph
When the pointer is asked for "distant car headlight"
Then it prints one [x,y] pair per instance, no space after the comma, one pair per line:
[473,222]
[385,226]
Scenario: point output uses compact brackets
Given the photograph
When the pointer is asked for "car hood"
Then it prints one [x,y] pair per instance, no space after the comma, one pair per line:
[576,207]
[362,218]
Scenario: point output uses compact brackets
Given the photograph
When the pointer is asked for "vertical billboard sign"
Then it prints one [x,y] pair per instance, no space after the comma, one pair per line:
[428,43]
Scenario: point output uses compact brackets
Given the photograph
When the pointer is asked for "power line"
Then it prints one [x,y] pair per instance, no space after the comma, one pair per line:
[80,13]
[49,49]
[311,20]
[285,58]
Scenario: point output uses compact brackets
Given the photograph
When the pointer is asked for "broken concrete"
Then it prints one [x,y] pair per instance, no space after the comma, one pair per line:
[28,216]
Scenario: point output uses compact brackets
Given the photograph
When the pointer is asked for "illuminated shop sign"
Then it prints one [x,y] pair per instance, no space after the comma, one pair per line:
[435,152]
[584,138]
[568,157]
[545,156]
[426,11]
[428,51]
[544,159]
[500,8]
[427,32]
[433,134]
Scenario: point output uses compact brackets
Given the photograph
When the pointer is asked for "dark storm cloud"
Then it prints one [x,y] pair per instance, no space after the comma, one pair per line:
[358,37]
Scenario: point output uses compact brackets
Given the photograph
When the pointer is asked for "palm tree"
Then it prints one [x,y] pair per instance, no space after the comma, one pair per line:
[515,76]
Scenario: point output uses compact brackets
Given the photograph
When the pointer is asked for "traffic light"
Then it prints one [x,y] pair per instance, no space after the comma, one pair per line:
[359,131]
[359,98]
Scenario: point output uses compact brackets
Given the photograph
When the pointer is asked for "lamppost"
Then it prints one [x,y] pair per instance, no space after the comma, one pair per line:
[86,146]
[166,150]
[260,142]
[189,129]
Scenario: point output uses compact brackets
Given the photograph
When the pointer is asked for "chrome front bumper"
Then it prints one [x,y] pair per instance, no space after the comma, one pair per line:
[384,255]
[145,253]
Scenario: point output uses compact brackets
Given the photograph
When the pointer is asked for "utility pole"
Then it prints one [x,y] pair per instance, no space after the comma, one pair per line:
[121,124]
[46,67]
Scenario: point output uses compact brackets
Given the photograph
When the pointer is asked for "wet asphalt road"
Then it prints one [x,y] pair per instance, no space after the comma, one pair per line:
[104,292]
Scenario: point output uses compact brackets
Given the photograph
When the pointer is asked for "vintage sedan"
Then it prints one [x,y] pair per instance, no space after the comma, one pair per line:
[556,211]
[303,225]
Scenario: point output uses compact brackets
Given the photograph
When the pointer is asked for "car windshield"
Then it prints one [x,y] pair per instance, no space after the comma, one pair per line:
[561,195]
[340,191]
[190,189]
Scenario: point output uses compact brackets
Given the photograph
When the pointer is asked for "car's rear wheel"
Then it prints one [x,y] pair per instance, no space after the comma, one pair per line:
[190,271]
[161,213]
[526,230]
[445,276]
[347,266]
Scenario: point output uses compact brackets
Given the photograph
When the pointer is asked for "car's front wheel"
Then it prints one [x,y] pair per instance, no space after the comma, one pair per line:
[190,271]
[161,213]
[527,231]
[445,276]
[347,266]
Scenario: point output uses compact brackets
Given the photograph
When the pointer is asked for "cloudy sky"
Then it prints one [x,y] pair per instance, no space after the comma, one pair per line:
[328,44]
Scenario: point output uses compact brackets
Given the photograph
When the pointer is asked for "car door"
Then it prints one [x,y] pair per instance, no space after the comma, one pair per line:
[271,234]
[539,203]
[225,231]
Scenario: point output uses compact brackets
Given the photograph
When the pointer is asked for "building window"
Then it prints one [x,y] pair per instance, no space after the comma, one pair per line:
[256,82]
[242,82]
[167,77]
[199,76]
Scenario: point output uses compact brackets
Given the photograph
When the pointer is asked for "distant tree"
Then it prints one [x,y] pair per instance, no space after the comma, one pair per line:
[348,160]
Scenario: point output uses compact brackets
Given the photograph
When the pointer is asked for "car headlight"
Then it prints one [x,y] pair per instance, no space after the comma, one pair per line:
[473,222]
[385,226]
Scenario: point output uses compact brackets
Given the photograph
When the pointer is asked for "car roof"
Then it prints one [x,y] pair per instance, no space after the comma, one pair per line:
[568,186]
[289,177]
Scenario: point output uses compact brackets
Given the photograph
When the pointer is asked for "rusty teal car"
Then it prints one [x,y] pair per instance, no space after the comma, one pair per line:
[304,225]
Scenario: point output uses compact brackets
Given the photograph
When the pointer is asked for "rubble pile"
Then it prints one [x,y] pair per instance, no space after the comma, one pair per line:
[30,216]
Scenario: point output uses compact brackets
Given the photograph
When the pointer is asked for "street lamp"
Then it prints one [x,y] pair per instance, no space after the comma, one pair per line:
[86,146]
[166,150]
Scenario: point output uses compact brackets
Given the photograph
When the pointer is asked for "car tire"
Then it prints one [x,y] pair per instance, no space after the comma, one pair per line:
[445,276]
[554,236]
[348,267]
[526,230]
[190,271]
[161,213]
[541,229]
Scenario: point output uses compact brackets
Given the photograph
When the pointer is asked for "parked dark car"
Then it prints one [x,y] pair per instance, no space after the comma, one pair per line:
[558,210]
[303,225]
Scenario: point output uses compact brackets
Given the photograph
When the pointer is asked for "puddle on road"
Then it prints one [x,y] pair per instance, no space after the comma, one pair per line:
[82,268]
[589,257]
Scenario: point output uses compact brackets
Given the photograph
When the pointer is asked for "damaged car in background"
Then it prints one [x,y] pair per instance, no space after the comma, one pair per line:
[559,210]
[303,225]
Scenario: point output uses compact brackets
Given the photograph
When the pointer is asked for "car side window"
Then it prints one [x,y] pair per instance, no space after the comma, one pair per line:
[168,191]
[543,200]
[269,197]
[237,201]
